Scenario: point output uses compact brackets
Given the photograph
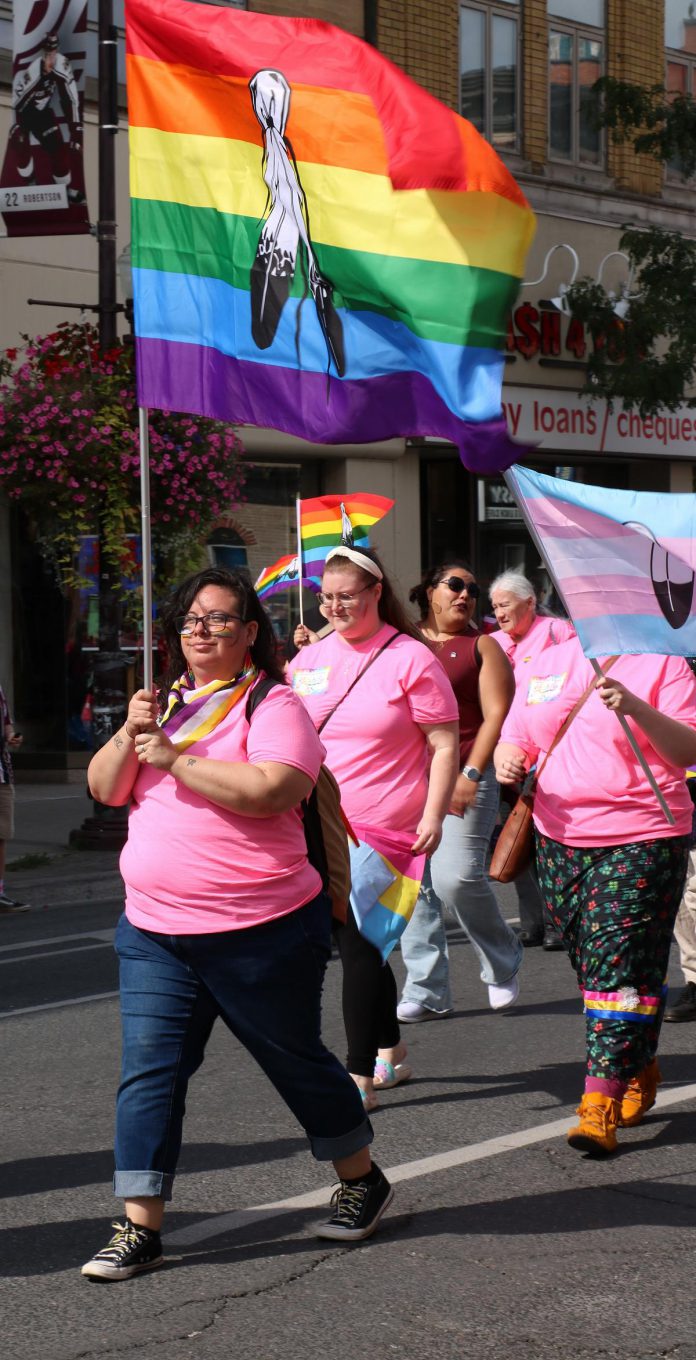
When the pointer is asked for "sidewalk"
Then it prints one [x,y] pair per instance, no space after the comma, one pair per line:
[45,814]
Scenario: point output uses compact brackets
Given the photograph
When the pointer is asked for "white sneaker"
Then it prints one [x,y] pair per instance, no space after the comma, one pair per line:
[410,1012]
[500,997]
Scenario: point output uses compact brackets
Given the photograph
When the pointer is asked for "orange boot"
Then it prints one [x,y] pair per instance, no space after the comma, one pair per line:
[639,1096]
[599,1119]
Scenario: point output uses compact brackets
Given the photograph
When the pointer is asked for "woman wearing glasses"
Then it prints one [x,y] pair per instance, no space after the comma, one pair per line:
[456,880]
[225,916]
[390,741]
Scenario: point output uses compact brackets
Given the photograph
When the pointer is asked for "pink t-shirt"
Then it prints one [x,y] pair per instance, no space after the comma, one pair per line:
[193,868]
[593,791]
[374,743]
[544,632]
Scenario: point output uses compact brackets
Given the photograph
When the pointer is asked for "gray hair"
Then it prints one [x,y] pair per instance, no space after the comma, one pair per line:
[516,583]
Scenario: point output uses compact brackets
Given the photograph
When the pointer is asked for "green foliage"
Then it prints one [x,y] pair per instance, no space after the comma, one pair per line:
[69,453]
[648,360]
[658,123]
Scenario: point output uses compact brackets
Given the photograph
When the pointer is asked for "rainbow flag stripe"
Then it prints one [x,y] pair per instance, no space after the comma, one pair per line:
[284,575]
[378,307]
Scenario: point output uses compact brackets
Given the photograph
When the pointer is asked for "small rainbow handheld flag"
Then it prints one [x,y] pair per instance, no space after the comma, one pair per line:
[318,244]
[327,521]
[284,575]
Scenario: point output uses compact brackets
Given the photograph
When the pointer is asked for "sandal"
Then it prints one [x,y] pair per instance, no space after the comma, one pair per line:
[369,1100]
[387,1074]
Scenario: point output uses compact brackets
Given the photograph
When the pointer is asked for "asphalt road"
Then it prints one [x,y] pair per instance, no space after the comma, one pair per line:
[501,1241]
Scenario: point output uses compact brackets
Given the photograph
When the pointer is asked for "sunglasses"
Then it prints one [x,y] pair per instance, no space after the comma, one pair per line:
[458,584]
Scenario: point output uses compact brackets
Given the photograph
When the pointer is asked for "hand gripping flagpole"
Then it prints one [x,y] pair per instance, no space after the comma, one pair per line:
[512,486]
[300,573]
[146,544]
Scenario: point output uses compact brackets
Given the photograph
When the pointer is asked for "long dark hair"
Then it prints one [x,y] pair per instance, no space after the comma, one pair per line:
[264,650]
[419,594]
[389,606]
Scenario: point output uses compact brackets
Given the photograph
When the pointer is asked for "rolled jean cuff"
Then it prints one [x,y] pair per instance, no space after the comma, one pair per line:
[143,1184]
[333,1149]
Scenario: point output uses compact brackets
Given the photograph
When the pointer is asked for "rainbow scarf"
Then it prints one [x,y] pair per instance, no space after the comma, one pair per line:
[194,712]
[318,244]
[385,881]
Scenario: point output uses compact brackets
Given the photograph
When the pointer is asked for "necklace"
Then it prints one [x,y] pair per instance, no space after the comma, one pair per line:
[439,643]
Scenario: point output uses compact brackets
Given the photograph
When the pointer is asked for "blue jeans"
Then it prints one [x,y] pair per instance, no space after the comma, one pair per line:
[456,880]
[265,982]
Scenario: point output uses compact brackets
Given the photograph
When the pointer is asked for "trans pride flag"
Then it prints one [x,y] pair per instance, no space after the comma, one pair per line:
[327,521]
[283,575]
[318,245]
[623,561]
[385,879]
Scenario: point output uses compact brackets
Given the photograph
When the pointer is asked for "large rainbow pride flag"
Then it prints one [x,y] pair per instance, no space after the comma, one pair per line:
[624,562]
[318,244]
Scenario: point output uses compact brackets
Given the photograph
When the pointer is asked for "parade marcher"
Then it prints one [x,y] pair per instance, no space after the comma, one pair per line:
[456,879]
[10,740]
[225,916]
[611,868]
[684,1005]
[391,744]
[523,634]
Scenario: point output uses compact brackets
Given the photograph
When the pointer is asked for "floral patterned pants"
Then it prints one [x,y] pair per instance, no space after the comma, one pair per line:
[615,907]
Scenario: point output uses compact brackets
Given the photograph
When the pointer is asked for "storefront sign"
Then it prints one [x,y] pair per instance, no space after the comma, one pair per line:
[558,421]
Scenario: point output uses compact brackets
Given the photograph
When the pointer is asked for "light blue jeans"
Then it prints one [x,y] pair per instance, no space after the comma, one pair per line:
[456,881]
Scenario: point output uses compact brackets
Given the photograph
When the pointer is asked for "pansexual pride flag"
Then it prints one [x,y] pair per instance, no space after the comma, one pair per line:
[327,521]
[284,575]
[318,245]
[623,561]
[385,879]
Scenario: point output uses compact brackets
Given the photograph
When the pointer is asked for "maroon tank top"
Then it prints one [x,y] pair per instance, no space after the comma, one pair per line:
[460,659]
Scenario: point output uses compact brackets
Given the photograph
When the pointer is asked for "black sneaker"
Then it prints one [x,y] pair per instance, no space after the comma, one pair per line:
[357,1209]
[130,1250]
[9,906]
[684,1007]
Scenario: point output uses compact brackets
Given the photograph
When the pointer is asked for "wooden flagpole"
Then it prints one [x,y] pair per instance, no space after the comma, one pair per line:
[298,511]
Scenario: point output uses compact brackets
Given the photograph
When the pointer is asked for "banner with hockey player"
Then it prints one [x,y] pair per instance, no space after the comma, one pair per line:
[42,185]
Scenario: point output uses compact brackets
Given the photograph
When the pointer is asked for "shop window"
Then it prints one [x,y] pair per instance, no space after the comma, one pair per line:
[576,60]
[680,57]
[489,64]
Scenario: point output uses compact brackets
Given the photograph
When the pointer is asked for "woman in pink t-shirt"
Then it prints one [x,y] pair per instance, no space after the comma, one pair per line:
[611,867]
[523,634]
[224,914]
[391,742]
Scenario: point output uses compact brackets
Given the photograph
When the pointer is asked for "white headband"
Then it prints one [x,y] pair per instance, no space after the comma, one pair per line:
[358,558]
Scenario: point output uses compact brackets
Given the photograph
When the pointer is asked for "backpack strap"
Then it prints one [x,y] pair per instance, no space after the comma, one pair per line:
[257,693]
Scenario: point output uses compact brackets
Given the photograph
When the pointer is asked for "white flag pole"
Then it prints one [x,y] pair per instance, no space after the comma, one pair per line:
[146,539]
[298,511]
[512,486]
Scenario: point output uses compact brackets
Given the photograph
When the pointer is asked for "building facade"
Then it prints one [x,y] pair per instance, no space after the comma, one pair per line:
[521,71]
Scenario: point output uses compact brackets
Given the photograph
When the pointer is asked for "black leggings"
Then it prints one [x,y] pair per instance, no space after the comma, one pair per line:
[369,999]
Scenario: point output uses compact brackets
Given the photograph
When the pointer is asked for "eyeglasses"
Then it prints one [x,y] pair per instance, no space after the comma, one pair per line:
[458,584]
[343,598]
[211,623]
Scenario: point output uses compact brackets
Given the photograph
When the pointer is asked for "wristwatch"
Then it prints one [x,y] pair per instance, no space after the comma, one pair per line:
[470,772]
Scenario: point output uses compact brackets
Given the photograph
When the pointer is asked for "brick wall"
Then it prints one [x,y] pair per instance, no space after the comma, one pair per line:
[346,14]
[635,41]
[535,83]
[422,37]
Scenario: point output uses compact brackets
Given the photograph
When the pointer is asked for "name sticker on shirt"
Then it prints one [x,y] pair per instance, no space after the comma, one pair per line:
[311,682]
[544,688]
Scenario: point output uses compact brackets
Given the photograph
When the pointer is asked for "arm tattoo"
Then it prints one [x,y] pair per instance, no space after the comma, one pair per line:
[190,761]
[118,742]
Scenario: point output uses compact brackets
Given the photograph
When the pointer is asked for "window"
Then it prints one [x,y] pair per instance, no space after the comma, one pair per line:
[680,56]
[576,60]
[489,69]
